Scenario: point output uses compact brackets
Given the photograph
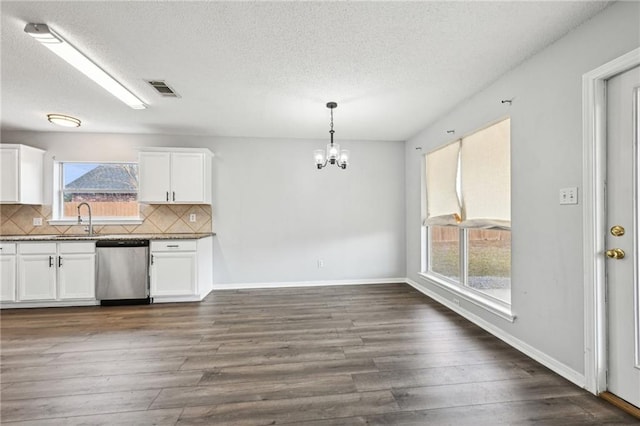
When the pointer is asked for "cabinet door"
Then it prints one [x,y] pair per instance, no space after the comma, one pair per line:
[187,177]
[7,278]
[9,175]
[77,276]
[37,277]
[173,274]
[154,177]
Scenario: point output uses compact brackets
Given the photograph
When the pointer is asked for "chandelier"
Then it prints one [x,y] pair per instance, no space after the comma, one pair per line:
[333,154]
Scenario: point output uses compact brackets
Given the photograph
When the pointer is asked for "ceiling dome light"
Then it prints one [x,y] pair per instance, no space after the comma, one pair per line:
[63,120]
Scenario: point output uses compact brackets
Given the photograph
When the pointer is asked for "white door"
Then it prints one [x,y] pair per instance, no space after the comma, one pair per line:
[77,276]
[623,104]
[154,177]
[187,177]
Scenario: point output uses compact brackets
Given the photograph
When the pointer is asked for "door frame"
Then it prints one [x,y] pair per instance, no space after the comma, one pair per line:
[594,120]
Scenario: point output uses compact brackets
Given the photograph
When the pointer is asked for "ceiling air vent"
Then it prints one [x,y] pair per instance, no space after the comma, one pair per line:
[163,89]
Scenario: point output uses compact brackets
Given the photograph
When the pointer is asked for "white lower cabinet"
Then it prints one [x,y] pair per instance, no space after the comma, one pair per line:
[7,272]
[56,271]
[77,276]
[181,270]
[37,271]
[173,274]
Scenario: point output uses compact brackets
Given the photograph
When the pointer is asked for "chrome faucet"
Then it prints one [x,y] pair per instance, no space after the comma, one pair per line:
[90,229]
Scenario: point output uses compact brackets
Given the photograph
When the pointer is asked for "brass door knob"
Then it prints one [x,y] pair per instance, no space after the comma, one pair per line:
[615,253]
[617,231]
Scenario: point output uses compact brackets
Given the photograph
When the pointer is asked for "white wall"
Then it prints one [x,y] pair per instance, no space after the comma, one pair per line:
[546,155]
[274,213]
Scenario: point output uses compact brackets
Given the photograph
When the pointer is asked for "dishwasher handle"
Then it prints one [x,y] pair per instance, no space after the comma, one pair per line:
[122,243]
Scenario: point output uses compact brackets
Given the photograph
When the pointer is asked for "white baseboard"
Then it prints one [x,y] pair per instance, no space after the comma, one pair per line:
[48,304]
[173,299]
[544,359]
[241,286]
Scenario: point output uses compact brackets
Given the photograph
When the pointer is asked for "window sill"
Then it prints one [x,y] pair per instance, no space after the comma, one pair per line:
[494,307]
[85,222]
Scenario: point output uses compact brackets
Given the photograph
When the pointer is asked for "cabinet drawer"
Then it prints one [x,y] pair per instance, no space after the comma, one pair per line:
[37,248]
[7,248]
[173,245]
[83,247]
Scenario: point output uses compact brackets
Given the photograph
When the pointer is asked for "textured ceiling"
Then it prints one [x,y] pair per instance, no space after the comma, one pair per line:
[266,69]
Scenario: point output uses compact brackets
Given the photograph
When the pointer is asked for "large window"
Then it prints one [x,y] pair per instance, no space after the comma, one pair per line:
[468,214]
[110,188]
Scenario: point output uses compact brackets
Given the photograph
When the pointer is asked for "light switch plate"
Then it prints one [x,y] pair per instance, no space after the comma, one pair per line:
[37,221]
[569,195]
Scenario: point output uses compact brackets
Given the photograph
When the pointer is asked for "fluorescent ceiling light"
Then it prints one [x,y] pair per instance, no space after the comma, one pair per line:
[63,120]
[62,48]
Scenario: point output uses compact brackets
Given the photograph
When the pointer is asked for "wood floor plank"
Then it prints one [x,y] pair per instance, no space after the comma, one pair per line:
[99,384]
[26,359]
[90,369]
[268,389]
[432,360]
[139,353]
[325,340]
[322,356]
[131,342]
[438,376]
[293,410]
[162,417]
[410,347]
[78,405]
[256,373]
[259,357]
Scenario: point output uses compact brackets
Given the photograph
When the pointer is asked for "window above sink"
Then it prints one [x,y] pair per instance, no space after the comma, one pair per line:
[111,188]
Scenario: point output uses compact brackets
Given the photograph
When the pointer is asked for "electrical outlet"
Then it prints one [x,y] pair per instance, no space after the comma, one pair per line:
[569,195]
[37,221]
[192,217]
[320,263]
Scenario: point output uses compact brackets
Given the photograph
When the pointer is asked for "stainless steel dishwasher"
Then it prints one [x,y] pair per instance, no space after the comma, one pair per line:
[122,272]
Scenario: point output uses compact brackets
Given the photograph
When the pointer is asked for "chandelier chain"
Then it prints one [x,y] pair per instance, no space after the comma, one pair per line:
[332,119]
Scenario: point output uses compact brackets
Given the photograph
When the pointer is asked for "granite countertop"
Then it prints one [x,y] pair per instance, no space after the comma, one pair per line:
[97,237]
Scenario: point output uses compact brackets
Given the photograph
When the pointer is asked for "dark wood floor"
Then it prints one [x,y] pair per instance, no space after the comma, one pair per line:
[377,354]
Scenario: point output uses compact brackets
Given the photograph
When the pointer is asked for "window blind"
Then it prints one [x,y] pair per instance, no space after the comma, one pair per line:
[485,174]
[443,205]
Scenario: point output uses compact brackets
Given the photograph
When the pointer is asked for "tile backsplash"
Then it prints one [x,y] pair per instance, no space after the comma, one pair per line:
[17,219]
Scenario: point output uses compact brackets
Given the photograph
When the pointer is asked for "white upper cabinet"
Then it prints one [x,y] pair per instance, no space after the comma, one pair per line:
[21,174]
[154,177]
[175,175]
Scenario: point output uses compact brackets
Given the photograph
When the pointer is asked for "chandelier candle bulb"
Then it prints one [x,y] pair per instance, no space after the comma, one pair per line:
[343,161]
[333,152]
[319,156]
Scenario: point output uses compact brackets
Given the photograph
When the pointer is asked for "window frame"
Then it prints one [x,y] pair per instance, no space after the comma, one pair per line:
[57,215]
[459,289]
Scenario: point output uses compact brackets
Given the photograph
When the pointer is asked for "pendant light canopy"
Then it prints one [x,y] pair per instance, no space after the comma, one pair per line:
[332,154]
